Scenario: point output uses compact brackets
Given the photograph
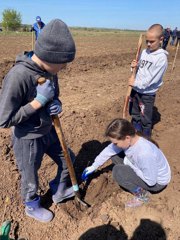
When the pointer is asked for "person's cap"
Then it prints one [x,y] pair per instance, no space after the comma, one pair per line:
[38,19]
[55,43]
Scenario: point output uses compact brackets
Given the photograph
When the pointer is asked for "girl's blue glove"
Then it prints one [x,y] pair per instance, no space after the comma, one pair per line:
[54,108]
[87,171]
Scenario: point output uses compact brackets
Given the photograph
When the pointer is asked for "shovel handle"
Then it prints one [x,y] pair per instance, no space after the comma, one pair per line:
[59,131]
[33,40]
[174,61]
[126,102]
[57,125]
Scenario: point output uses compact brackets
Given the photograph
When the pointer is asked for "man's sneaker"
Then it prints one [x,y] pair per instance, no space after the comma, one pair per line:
[61,191]
[60,196]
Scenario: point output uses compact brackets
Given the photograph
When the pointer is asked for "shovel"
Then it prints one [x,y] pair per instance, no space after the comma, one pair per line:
[174,61]
[126,102]
[33,40]
[60,134]
[58,128]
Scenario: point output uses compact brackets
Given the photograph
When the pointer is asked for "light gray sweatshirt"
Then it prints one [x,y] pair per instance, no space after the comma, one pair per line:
[147,161]
[151,67]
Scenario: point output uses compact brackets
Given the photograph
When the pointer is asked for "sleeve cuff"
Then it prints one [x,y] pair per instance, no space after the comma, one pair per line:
[29,109]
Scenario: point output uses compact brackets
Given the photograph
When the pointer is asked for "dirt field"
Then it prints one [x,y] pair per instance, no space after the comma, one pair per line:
[92,91]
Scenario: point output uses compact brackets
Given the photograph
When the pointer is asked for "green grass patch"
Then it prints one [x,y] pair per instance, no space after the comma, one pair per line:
[77,31]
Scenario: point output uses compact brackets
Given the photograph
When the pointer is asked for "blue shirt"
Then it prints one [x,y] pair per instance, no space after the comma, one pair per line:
[37,28]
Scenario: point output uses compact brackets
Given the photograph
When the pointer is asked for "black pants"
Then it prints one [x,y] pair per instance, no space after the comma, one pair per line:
[165,43]
[29,154]
[125,176]
[141,111]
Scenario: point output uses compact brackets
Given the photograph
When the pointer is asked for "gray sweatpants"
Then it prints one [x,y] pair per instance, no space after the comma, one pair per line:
[125,176]
[29,154]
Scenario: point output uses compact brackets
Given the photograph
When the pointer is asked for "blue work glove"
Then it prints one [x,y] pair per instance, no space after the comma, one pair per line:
[54,108]
[45,92]
[87,171]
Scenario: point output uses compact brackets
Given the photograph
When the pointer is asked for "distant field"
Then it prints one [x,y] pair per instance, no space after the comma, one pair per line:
[96,40]
[84,32]
[92,31]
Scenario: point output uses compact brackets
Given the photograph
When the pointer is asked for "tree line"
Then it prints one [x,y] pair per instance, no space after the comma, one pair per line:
[12,21]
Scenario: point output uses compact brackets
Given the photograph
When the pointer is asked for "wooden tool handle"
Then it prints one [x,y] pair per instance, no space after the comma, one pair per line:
[58,128]
[174,61]
[60,134]
[126,102]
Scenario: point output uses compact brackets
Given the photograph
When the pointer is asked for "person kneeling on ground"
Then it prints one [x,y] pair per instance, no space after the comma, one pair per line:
[140,166]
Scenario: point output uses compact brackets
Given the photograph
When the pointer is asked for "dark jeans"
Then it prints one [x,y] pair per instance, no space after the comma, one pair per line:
[125,176]
[165,43]
[29,154]
[173,40]
[141,110]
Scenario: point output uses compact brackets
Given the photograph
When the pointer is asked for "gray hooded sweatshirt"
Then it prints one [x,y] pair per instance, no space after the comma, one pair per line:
[18,90]
[151,67]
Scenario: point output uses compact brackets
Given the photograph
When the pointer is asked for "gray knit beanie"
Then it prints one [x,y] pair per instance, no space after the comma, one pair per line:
[55,43]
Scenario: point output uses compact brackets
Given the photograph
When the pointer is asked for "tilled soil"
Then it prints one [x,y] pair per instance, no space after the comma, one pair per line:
[92,91]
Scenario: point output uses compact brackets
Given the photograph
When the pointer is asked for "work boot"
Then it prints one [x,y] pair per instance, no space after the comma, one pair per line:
[141,196]
[61,192]
[33,209]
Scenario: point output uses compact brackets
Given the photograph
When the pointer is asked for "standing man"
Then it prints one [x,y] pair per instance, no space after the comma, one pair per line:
[37,26]
[166,37]
[173,36]
[178,37]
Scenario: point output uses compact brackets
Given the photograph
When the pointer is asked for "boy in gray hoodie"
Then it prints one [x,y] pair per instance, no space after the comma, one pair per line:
[150,69]
[28,106]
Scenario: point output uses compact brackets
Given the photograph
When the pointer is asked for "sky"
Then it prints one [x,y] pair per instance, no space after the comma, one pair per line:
[120,14]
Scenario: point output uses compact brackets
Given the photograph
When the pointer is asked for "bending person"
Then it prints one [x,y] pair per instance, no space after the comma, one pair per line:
[140,166]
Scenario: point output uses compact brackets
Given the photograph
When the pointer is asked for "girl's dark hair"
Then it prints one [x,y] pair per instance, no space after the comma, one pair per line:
[120,128]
